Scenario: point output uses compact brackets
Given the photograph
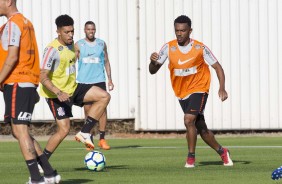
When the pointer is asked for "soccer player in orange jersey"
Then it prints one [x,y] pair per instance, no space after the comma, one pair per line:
[19,78]
[190,79]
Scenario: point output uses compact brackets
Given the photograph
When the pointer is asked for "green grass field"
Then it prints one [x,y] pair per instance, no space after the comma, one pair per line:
[156,161]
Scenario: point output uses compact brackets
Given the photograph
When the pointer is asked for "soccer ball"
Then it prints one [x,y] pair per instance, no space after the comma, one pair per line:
[95,161]
[277,173]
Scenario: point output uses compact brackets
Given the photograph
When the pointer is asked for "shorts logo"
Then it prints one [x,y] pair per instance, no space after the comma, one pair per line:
[26,116]
[61,111]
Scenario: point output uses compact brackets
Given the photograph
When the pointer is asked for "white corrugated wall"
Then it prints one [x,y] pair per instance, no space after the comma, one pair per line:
[115,23]
[243,34]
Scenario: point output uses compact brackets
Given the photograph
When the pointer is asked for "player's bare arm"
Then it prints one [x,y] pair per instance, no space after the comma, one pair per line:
[46,82]
[108,69]
[154,64]
[221,78]
[10,62]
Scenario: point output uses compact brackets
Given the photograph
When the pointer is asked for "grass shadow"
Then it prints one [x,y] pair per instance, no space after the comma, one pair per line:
[110,167]
[220,162]
[124,147]
[76,181]
[114,167]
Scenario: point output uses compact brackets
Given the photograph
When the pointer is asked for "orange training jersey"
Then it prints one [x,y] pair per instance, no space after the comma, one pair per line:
[189,72]
[19,32]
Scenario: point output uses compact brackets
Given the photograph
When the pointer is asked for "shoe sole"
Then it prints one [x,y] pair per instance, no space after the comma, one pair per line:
[189,166]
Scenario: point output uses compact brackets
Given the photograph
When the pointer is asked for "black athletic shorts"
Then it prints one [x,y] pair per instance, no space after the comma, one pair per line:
[101,85]
[19,103]
[63,110]
[194,104]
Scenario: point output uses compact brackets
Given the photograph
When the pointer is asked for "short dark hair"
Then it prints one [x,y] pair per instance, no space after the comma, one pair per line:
[64,20]
[89,22]
[183,19]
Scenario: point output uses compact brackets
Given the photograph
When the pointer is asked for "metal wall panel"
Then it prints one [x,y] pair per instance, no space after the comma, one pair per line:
[243,35]
[115,23]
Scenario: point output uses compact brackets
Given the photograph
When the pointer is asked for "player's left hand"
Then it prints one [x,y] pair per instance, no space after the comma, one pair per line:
[110,85]
[222,94]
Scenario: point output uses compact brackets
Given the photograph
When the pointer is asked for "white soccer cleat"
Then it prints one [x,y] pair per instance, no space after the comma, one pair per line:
[53,179]
[86,139]
[36,182]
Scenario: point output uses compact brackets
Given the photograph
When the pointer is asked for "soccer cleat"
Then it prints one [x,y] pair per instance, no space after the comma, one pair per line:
[86,139]
[225,157]
[190,162]
[36,182]
[56,178]
[40,169]
[103,144]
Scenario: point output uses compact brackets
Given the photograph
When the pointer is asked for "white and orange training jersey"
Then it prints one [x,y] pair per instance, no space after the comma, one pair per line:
[19,32]
[189,73]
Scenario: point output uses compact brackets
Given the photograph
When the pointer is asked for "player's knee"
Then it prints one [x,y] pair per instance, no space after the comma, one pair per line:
[14,135]
[64,131]
[107,96]
[189,121]
[201,125]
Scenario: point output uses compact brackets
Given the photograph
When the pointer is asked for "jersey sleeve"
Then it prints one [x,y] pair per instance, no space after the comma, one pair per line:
[208,56]
[50,59]
[163,54]
[14,34]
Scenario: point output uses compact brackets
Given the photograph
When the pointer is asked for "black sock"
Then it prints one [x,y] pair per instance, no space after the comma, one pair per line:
[33,169]
[191,155]
[102,134]
[47,168]
[88,125]
[220,150]
[47,153]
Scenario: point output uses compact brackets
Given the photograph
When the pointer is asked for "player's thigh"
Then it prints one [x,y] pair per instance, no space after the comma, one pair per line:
[195,104]
[95,94]
[60,110]
[101,85]
[20,130]
[63,124]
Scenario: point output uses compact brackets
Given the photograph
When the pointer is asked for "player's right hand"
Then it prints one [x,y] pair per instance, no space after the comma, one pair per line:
[154,57]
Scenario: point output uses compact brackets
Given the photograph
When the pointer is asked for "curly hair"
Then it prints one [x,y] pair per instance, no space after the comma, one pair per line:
[64,20]
[183,19]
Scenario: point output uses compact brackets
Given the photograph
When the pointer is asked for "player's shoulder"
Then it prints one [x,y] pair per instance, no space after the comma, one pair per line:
[197,44]
[99,40]
[171,42]
[49,50]
[81,41]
